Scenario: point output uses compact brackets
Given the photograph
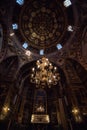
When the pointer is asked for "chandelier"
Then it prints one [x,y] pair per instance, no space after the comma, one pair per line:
[44,73]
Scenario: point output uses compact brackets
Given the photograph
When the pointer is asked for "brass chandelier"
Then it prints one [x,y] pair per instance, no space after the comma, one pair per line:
[44,73]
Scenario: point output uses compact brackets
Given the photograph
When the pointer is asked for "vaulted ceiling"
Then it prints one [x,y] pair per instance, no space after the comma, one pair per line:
[48,25]
[43,25]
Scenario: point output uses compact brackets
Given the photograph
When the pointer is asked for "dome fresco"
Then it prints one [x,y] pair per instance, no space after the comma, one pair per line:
[42,24]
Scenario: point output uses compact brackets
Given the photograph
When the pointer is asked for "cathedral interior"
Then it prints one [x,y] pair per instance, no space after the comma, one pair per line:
[43,64]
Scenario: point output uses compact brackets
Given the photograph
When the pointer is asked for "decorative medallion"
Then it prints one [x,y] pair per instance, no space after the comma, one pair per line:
[42,24]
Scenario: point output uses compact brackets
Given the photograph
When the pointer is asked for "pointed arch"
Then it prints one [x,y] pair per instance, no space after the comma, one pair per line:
[8,68]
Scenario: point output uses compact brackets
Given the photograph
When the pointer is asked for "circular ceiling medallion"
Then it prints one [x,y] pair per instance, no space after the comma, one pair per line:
[42,24]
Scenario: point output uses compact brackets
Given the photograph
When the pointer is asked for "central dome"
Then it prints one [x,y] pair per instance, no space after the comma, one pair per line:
[42,24]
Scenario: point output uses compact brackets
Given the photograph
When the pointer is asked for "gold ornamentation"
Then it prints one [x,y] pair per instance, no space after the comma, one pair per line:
[44,73]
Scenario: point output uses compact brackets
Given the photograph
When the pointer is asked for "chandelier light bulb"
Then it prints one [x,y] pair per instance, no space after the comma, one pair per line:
[38,61]
[50,81]
[54,76]
[46,59]
[33,69]
[32,75]
[45,63]
[38,66]
[55,68]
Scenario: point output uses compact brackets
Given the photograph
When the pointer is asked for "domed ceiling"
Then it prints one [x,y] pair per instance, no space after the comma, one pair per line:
[42,24]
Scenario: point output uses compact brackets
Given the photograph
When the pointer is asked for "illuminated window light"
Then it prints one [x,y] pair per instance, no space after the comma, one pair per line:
[28,53]
[11,34]
[70,28]
[41,52]
[59,46]
[25,45]
[15,26]
[67,3]
[20,2]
